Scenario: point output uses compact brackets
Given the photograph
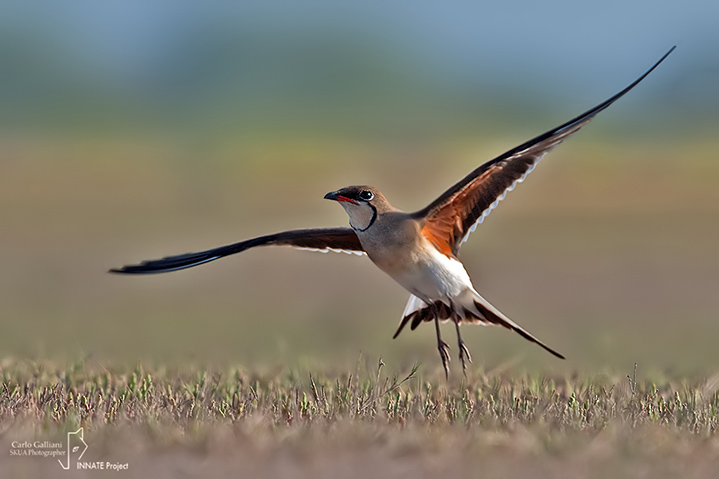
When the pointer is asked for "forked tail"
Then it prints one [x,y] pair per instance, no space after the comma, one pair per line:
[469,307]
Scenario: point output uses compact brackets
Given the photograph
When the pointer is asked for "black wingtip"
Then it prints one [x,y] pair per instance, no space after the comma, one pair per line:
[136,269]
[593,111]
[546,348]
[132,269]
[674,47]
[550,350]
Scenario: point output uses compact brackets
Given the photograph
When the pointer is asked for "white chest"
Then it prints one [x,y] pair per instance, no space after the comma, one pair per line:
[436,277]
[425,272]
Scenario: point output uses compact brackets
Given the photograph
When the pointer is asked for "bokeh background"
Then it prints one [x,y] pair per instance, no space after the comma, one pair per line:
[135,130]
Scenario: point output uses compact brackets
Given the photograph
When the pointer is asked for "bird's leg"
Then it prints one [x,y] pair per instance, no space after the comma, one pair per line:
[442,346]
[463,351]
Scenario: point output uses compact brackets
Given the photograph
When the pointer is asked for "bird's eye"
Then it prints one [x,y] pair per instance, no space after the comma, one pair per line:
[366,195]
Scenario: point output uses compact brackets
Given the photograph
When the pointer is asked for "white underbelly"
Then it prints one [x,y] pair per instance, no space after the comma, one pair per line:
[435,277]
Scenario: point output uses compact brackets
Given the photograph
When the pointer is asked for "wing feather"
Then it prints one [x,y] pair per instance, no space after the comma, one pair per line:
[317,239]
[457,212]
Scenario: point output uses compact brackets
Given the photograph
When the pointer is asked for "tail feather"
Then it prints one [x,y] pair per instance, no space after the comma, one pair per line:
[494,316]
[416,311]
[469,307]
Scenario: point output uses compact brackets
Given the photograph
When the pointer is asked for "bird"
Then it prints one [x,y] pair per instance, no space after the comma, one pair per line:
[419,250]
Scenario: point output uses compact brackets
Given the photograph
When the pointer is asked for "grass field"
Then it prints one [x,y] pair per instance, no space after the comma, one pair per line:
[369,421]
[249,367]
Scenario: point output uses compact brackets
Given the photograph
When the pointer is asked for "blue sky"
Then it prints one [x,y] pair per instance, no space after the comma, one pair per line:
[556,47]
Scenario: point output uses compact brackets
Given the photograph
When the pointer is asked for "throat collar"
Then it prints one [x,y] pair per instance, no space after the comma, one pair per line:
[371,221]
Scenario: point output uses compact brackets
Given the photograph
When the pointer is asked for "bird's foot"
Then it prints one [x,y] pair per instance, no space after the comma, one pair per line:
[444,354]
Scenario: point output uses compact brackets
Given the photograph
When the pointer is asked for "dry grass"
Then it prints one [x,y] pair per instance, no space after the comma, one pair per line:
[299,423]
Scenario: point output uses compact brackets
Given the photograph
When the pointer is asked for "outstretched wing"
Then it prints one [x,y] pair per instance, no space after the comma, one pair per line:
[318,239]
[455,214]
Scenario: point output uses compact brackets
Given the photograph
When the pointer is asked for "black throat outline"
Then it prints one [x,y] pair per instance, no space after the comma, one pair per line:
[371,222]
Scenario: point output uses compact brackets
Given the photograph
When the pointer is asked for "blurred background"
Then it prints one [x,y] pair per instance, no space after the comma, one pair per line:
[135,130]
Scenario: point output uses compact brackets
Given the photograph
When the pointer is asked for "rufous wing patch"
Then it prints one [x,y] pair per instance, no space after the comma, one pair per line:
[439,238]
[440,232]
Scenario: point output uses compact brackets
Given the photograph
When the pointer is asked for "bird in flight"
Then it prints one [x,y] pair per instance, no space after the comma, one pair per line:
[418,250]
